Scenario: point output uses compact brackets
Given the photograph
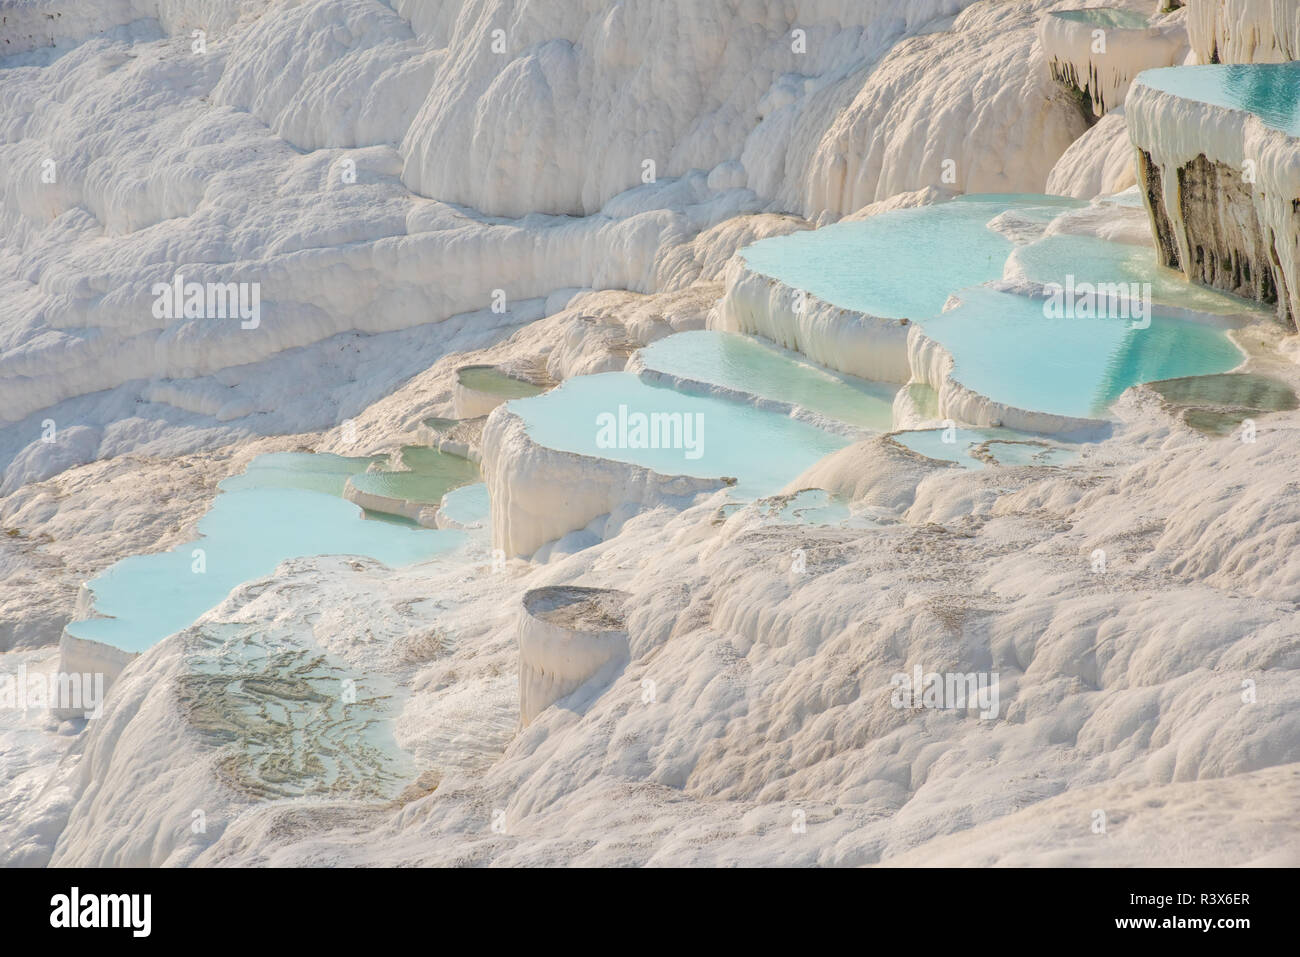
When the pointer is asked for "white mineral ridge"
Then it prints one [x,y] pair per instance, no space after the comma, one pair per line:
[237,165]
[1244,31]
[1175,130]
[1104,60]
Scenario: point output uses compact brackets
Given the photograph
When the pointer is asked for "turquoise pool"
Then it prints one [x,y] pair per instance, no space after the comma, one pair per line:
[597,415]
[909,262]
[308,471]
[1269,90]
[493,381]
[250,529]
[1005,446]
[1093,260]
[469,506]
[428,475]
[901,264]
[1106,17]
[750,365]
[1069,366]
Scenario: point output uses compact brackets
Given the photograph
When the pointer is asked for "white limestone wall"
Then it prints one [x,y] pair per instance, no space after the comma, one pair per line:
[82,656]
[1174,131]
[35,24]
[885,350]
[1244,31]
[852,342]
[1104,66]
[541,494]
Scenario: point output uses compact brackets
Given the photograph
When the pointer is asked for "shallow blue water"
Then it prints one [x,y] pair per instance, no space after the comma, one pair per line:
[1068,366]
[759,368]
[469,505]
[1093,260]
[1007,447]
[901,264]
[764,450]
[909,262]
[1269,90]
[247,532]
[1106,17]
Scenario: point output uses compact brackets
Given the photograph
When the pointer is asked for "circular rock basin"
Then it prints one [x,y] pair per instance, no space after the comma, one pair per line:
[568,635]
[481,388]
[740,364]
[492,380]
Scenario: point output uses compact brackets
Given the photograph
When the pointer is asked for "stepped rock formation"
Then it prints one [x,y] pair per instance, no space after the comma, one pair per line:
[1223,192]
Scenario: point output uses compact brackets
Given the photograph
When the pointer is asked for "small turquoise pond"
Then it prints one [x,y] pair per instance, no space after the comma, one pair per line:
[308,471]
[249,530]
[469,506]
[1269,90]
[493,381]
[596,415]
[901,264]
[1004,446]
[428,476]
[750,365]
[1070,366]
[1106,17]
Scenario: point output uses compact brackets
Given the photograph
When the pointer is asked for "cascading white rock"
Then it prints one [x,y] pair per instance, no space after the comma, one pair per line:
[1244,31]
[855,343]
[568,636]
[932,366]
[541,494]
[1098,163]
[871,347]
[605,89]
[1223,193]
[35,24]
[470,403]
[1100,58]
[82,656]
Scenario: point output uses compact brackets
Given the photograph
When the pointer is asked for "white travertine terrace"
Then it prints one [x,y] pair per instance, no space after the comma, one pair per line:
[856,343]
[568,635]
[541,494]
[78,656]
[1244,31]
[1073,57]
[932,365]
[872,347]
[422,513]
[1220,226]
